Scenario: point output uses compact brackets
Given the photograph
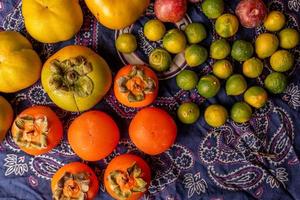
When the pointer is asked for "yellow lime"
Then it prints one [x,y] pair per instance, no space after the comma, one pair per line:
[195,55]
[188,113]
[227,25]
[276,82]
[266,44]
[187,80]
[219,49]
[274,21]
[215,115]
[222,69]
[126,43]
[174,41]
[236,85]
[208,86]
[256,96]
[241,50]
[213,8]
[160,60]
[241,112]
[253,67]
[289,38]
[282,61]
[195,33]
[154,30]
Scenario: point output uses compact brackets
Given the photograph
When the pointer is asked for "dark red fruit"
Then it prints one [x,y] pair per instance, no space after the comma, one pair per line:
[170,10]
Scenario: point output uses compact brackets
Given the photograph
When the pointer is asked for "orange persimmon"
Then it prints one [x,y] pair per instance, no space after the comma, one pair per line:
[127,177]
[37,130]
[136,86]
[93,135]
[74,181]
[153,130]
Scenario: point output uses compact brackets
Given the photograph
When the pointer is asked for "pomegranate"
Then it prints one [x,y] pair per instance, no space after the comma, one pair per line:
[251,12]
[170,10]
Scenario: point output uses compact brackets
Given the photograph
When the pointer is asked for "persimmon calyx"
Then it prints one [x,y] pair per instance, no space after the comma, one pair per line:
[32,131]
[72,186]
[124,183]
[136,84]
[71,75]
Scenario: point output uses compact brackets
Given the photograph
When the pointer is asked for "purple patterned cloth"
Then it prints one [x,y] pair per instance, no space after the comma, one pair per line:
[225,163]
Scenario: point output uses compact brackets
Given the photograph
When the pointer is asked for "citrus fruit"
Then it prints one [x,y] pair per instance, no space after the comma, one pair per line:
[195,32]
[126,43]
[236,85]
[256,96]
[241,50]
[227,25]
[266,44]
[93,135]
[241,112]
[136,86]
[74,181]
[174,41]
[160,60]
[127,177]
[219,49]
[289,38]
[276,82]
[154,30]
[37,130]
[195,55]
[282,61]
[253,67]
[6,117]
[215,115]
[187,79]
[153,130]
[274,21]
[188,113]
[222,69]
[213,8]
[208,86]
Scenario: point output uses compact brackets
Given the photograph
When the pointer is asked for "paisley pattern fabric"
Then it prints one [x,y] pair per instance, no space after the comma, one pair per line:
[256,160]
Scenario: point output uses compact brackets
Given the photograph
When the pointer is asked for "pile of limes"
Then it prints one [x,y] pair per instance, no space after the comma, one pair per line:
[266,48]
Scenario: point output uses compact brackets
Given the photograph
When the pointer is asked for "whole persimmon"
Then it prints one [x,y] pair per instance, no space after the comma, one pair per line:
[136,86]
[74,181]
[37,130]
[93,135]
[127,177]
[153,130]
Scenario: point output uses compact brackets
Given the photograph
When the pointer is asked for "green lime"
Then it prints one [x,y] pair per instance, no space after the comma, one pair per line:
[222,69]
[154,30]
[219,49]
[253,67]
[241,50]
[195,33]
[289,38]
[126,43]
[274,21]
[208,86]
[236,85]
[266,44]
[282,61]
[256,96]
[195,55]
[174,41]
[160,60]
[213,8]
[276,82]
[215,115]
[241,112]
[227,25]
[188,113]
[187,80]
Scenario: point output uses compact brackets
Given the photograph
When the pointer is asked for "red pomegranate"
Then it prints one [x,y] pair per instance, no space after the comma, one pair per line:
[170,10]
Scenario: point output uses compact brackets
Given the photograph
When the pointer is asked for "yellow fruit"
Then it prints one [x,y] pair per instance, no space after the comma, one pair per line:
[6,117]
[256,96]
[154,30]
[253,67]
[20,65]
[274,21]
[266,44]
[215,115]
[51,21]
[227,25]
[289,38]
[282,61]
